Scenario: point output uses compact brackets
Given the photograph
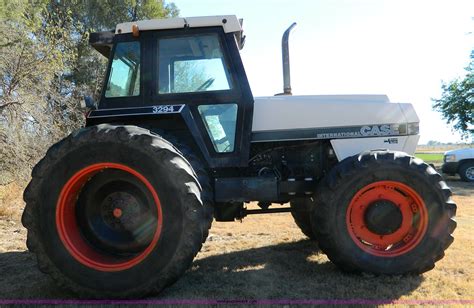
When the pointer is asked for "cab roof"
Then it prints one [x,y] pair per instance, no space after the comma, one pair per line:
[229,23]
[102,41]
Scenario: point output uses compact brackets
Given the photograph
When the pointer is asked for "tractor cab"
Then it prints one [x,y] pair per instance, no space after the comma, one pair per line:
[181,74]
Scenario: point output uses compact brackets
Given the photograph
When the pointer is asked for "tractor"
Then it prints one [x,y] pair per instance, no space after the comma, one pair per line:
[120,207]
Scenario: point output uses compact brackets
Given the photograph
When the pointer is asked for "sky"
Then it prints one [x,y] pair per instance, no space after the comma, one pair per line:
[401,48]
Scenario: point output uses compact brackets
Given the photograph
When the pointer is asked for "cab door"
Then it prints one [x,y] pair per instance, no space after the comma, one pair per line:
[202,69]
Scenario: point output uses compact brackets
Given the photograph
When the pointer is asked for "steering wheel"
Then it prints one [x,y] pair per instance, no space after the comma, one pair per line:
[205,85]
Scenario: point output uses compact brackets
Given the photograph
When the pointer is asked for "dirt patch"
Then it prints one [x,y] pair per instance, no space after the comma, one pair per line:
[267,257]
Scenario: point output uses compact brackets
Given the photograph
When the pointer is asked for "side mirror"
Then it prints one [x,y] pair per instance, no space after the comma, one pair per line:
[88,103]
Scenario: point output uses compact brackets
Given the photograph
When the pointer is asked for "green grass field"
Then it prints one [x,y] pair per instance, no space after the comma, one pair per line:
[430,157]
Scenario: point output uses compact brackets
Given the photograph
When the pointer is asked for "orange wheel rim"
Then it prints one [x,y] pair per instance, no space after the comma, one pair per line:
[69,231]
[409,219]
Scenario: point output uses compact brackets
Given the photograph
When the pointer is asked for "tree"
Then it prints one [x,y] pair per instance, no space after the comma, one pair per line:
[87,16]
[433,143]
[31,59]
[457,102]
[47,65]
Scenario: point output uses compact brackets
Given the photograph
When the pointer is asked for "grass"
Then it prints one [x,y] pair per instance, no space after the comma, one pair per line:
[431,157]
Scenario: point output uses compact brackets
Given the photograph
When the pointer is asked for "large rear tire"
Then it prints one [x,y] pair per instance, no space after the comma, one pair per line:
[384,212]
[301,212]
[114,212]
[207,191]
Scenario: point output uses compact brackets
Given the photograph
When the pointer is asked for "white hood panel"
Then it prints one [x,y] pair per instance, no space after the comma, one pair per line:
[275,113]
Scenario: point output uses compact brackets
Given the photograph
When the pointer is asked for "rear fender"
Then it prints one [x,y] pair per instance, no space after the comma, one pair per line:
[173,119]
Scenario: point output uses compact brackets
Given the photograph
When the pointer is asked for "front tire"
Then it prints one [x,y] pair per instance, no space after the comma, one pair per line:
[114,212]
[384,212]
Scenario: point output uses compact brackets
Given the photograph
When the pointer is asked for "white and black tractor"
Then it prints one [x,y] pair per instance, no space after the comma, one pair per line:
[122,206]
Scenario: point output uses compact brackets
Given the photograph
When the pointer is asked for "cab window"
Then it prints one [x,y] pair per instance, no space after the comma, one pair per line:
[220,122]
[192,64]
[124,77]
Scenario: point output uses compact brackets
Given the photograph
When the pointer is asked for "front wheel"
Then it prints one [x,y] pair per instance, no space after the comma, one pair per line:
[384,212]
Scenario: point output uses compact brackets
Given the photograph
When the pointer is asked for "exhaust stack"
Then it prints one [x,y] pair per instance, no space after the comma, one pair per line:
[285,53]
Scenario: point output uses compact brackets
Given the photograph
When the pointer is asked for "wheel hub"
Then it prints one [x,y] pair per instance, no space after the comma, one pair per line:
[115,215]
[386,218]
[122,210]
[383,217]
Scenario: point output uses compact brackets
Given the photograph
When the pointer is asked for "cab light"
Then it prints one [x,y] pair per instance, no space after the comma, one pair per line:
[413,128]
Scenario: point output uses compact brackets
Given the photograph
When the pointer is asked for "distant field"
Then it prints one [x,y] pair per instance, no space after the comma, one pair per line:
[434,154]
[430,157]
[441,148]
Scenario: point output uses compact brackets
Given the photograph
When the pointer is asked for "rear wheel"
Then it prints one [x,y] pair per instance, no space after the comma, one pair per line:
[466,171]
[384,212]
[301,212]
[114,211]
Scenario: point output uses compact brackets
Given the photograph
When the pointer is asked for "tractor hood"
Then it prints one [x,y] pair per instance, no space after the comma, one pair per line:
[334,116]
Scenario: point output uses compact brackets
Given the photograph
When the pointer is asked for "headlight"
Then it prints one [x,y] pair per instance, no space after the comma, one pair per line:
[449,157]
